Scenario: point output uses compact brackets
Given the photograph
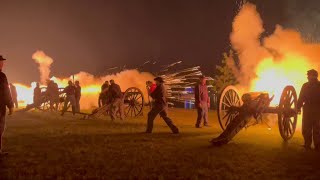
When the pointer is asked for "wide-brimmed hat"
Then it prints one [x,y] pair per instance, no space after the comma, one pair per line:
[312,72]
[2,58]
[159,79]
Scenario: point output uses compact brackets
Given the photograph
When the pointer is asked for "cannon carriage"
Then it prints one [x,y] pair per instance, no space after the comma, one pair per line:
[235,113]
[133,102]
[44,103]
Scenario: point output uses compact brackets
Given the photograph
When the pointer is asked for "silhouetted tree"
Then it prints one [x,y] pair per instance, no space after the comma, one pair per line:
[225,73]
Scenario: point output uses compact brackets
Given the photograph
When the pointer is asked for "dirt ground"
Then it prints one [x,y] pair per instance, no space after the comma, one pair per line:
[44,145]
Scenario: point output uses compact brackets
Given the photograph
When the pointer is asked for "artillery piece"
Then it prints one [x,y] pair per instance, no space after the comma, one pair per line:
[44,102]
[133,101]
[234,113]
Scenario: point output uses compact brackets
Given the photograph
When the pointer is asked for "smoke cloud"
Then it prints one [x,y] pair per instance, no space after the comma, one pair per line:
[270,63]
[44,62]
[284,48]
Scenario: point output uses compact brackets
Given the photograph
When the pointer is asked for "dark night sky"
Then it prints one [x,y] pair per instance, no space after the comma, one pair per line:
[93,35]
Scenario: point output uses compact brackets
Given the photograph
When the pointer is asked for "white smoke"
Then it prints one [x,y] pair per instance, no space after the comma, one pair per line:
[44,62]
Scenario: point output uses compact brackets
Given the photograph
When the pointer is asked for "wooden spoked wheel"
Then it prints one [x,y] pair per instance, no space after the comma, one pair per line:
[228,98]
[133,102]
[287,116]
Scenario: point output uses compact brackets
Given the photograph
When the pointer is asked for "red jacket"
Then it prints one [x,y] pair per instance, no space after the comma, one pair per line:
[201,94]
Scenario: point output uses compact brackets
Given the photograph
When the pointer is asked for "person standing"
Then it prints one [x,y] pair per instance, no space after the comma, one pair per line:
[309,99]
[37,97]
[14,95]
[116,100]
[70,98]
[78,95]
[160,107]
[5,102]
[103,97]
[202,102]
[55,95]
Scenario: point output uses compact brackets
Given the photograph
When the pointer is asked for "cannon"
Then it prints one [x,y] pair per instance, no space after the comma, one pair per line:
[234,113]
[44,102]
[133,101]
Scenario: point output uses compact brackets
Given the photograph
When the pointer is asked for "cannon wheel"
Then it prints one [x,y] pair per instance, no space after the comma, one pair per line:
[45,105]
[229,97]
[287,121]
[133,102]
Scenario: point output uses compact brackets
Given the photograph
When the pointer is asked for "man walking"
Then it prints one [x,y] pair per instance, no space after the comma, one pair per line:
[14,95]
[116,100]
[70,92]
[78,95]
[160,107]
[5,102]
[150,88]
[202,102]
[309,99]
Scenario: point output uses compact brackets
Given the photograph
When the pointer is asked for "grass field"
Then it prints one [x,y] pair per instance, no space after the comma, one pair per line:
[48,146]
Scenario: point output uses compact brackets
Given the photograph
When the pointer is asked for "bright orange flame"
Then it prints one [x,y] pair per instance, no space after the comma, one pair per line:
[273,76]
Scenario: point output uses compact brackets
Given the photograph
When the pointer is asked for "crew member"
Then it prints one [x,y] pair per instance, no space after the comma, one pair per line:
[70,98]
[116,100]
[55,95]
[103,97]
[37,97]
[160,107]
[309,99]
[14,95]
[5,102]
[150,88]
[78,95]
[202,102]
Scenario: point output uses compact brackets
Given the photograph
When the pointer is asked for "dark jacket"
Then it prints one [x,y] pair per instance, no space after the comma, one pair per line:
[104,86]
[78,91]
[159,95]
[36,95]
[5,95]
[70,90]
[114,91]
[309,97]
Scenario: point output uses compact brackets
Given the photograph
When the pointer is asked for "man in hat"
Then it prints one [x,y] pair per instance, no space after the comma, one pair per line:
[5,101]
[309,99]
[160,107]
[14,95]
[71,98]
[202,101]
[78,95]
[116,100]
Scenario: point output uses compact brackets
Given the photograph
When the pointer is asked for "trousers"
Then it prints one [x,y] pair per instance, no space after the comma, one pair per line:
[311,128]
[162,110]
[202,114]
